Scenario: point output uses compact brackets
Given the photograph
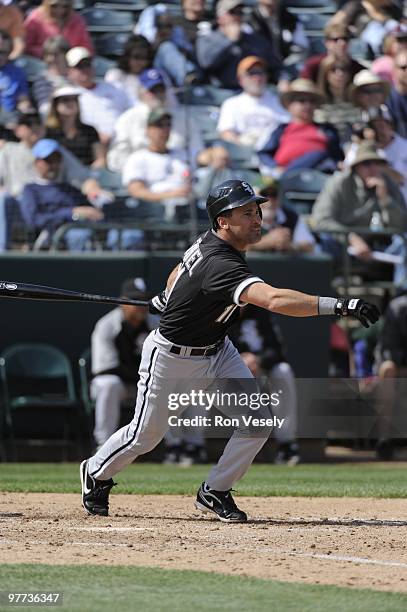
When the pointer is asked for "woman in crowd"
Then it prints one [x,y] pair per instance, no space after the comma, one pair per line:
[334,78]
[65,126]
[138,55]
[55,74]
[394,41]
[53,18]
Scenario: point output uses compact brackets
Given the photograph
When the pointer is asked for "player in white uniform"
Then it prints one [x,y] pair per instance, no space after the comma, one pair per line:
[204,294]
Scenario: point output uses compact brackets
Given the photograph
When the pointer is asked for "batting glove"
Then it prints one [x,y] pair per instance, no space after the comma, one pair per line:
[158,303]
[366,313]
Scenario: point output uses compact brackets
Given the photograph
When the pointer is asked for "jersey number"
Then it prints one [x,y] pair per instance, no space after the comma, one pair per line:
[192,257]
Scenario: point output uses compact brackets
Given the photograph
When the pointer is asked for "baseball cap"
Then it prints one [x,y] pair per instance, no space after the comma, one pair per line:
[248,62]
[68,90]
[225,6]
[156,114]
[76,55]
[44,148]
[135,289]
[151,78]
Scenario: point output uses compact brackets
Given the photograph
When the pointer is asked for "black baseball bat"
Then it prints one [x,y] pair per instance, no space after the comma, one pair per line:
[25,291]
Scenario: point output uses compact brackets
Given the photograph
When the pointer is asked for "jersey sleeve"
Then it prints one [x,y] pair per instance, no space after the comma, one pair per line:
[228,277]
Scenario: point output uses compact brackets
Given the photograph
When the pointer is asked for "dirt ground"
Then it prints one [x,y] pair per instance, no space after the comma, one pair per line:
[342,541]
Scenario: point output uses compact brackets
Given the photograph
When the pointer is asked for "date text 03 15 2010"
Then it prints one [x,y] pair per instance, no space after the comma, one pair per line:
[30,598]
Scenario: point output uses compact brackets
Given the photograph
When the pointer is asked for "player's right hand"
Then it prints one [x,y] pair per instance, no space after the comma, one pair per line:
[367,313]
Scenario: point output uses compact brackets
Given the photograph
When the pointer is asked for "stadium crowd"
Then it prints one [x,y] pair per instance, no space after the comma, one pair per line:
[129,117]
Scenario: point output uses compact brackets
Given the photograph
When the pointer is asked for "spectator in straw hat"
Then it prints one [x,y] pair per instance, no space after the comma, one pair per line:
[352,197]
[301,143]
[397,100]
[337,37]
[368,90]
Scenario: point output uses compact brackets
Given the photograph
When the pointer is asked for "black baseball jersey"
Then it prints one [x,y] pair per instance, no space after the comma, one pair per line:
[204,300]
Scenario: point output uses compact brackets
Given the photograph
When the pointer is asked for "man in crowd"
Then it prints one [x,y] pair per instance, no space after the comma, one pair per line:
[397,100]
[337,37]
[14,94]
[117,340]
[220,51]
[246,117]
[301,143]
[101,103]
[157,174]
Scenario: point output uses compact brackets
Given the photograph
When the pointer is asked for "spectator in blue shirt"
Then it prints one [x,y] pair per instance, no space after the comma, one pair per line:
[13,83]
[47,204]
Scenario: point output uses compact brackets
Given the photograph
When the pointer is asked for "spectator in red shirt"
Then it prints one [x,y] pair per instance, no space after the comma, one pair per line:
[55,18]
[337,37]
[302,143]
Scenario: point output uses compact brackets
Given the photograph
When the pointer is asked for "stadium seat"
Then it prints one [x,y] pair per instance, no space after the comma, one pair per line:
[206,117]
[122,5]
[101,20]
[208,95]
[316,45]
[39,394]
[240,156]
[313,23]
[300,188]
[111,181]
[101,65]
[31,65]
[312,6]
[112,44]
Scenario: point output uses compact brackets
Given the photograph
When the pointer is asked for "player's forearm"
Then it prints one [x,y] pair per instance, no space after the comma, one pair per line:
[282,301]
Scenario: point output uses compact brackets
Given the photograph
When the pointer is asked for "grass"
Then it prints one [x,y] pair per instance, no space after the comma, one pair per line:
[158,590]
[311,480]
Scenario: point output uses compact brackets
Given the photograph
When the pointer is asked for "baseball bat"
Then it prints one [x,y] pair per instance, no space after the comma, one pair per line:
[26,291]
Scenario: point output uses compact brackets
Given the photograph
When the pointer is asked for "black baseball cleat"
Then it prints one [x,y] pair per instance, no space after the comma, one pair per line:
[220,503]
[95,493]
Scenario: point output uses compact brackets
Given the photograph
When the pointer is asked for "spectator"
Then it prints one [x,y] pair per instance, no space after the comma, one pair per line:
[337,37]
[370,20]
[47,204]
[11,21]
[130,132]
[394,42]
[391,366]
[117,340]
[334,79]
[137,56]
[185,33]
[246,118]
[282,228]
[368,90]
[352,198]
[101,103]
[220,51]
[65,126]
[258,339]
[391,145]
[271,19]
[301,143]
[173,53]
[397,100]
[55,74]
[55,18]
[17,168]
[14,92]
[156,174]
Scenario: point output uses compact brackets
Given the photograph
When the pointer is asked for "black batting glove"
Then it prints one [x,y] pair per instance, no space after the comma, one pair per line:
[158,303]
[367,313]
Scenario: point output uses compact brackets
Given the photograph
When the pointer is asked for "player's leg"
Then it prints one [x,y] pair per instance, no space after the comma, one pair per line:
[108,391]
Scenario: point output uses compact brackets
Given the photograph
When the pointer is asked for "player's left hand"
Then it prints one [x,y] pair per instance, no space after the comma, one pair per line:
[367,313]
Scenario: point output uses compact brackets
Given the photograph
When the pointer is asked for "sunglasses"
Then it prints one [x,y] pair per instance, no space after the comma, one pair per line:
[256,72]
[65,99]
[86,63]
[237,11]
[404,67]
[371,90]
[304,100]
[340,69]
[60,5]
[163,124]
[337,38]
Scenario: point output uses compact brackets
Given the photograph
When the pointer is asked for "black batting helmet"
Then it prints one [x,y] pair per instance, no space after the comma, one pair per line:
[230,194]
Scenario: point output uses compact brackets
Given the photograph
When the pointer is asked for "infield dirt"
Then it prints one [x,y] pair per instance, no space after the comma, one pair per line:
[312,540]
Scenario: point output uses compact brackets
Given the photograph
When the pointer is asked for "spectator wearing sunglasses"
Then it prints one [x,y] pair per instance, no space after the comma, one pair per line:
[337,37]
[55,18]
[55,74]
[301,143]
[368,91]
[397,100]
[137,56]
[219,51]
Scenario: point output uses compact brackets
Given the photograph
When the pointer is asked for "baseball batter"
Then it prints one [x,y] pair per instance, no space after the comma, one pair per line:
[202,299]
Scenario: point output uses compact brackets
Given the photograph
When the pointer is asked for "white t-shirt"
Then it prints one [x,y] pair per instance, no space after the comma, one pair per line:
[252,118]
[131,134]
[102,106]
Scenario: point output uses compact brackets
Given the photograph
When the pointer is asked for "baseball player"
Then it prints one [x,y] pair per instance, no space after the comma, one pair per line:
[203,297]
